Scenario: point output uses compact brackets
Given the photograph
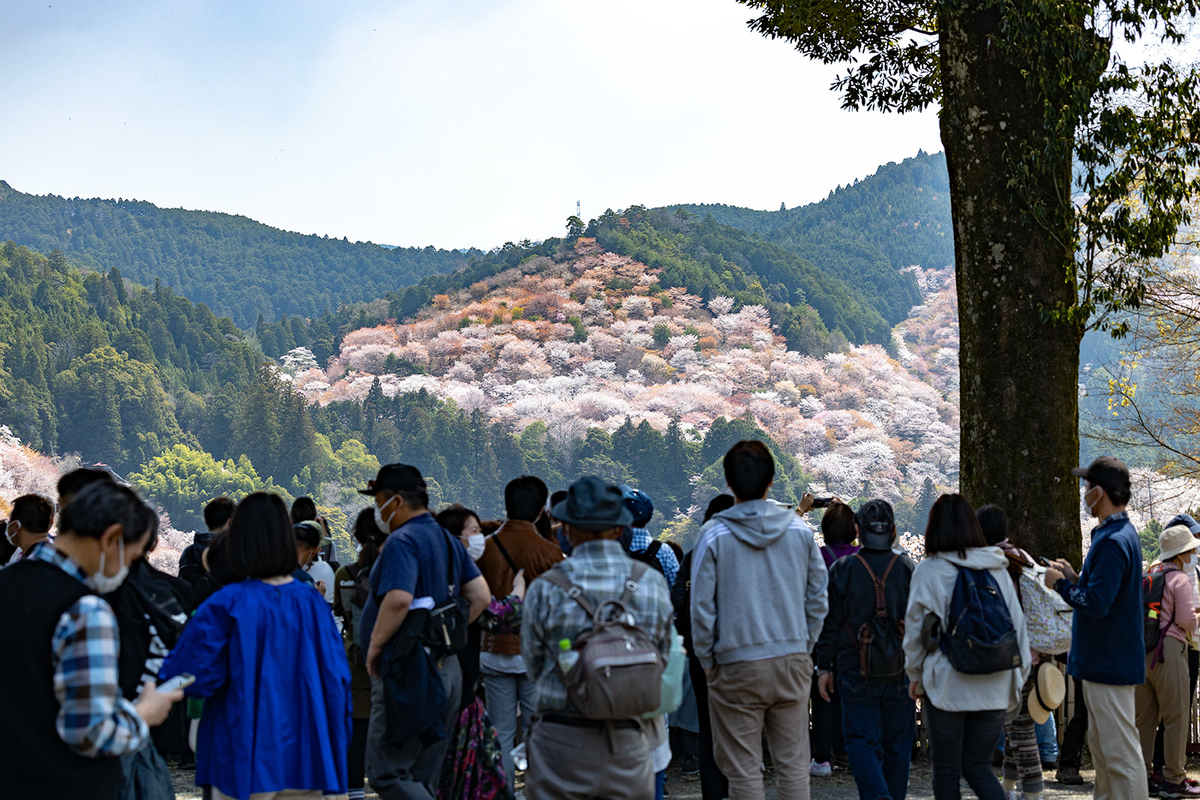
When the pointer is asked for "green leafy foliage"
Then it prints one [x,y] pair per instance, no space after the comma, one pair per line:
[235,265]
[183,479]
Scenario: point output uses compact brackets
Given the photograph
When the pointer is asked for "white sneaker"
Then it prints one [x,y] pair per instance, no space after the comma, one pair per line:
[820,770]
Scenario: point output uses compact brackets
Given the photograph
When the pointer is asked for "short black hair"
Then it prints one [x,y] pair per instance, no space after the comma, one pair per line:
[525,498]
[303,509]
[1118,495]
[34,512]
[98,506]
[838,524]
[72,482]
[749,469]
[555,499]
[413,498]
[993,522]
[718,504]
[146,519]
[261,541]
[218,512]
[454,518]
[952,527]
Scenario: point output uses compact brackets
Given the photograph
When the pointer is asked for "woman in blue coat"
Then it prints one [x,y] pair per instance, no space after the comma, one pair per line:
[269,663]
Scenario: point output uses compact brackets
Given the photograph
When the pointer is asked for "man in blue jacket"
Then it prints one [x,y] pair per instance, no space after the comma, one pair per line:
[1107,651]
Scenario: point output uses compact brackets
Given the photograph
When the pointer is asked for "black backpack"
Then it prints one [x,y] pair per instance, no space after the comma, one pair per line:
[1153,585]
[979,637]
[649,556]
[358,600]
[880,640]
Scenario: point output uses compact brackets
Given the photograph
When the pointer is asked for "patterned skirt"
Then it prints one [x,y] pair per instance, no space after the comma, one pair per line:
[473,769]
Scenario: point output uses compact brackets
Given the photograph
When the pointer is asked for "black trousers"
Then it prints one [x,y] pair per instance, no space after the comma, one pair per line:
[713,785]
[1071,752]
[356,768]
[825,737]
[961,745]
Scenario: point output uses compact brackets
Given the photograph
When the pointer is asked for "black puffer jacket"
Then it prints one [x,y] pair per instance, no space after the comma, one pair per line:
[852,603]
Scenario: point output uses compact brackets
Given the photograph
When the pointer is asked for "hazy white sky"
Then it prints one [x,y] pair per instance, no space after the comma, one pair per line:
[416,122]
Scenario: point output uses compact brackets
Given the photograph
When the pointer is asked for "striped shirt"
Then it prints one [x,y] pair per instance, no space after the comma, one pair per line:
[93,718]
[600,568]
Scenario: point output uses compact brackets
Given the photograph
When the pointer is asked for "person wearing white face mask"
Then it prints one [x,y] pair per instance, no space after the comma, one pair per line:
[516,546]
[61,647]
[1108,654]
[422,572]
[30,522]
[1164,696]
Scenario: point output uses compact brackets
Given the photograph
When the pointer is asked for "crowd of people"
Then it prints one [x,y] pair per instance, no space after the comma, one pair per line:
[556,649]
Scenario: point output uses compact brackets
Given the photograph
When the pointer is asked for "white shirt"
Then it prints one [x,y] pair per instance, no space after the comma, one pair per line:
[321,571]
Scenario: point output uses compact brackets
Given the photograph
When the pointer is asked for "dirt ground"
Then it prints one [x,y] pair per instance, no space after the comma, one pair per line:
[839,786]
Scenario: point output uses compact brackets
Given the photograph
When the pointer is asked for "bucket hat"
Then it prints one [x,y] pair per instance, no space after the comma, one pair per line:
[593,504]
[1175,540]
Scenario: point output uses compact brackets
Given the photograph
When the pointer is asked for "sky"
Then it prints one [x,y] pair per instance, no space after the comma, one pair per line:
[451,123]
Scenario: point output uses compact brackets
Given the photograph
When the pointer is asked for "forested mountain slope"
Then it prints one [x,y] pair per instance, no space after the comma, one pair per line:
[897,218]
[238,267]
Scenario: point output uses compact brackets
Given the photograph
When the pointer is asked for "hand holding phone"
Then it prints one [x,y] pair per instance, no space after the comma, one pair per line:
[181,681]
[822,502]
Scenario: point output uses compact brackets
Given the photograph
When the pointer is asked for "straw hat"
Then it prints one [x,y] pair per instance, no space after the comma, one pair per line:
[1175,540]
[1049,691]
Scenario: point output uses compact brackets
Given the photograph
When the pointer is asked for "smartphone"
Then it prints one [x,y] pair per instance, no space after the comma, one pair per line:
[822,502]
[181,681]
[1044,562]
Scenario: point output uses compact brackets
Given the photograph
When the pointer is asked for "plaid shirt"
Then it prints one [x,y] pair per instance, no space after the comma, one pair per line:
[600,569]
[93,718]
[642,540]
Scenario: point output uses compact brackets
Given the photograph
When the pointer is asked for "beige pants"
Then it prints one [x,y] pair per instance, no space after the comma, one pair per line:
[1113,739]
[286,794]
[745,697]
[1165,697]
[567,762]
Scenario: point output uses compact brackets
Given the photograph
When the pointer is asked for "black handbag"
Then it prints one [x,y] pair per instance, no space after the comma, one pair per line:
[445,631]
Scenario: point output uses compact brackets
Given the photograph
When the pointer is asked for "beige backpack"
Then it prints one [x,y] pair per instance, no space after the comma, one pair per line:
[618,673]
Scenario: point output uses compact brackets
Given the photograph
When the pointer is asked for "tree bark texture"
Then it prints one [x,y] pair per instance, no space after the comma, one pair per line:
[1019,370]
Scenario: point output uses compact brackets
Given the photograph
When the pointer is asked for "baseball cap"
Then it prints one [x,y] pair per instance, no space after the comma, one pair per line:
[639,504]
[1108,472]
[395,478]
[1187,521]
[311,533]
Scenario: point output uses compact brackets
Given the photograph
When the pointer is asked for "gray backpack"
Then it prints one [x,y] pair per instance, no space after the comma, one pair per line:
[618,673]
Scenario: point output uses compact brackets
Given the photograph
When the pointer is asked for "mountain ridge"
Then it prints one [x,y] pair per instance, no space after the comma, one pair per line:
[234,264]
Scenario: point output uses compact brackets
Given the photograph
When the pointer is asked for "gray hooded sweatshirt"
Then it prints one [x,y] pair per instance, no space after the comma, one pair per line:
[758,585]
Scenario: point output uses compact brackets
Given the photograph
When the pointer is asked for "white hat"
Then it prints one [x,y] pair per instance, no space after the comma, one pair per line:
[1049,691]
[1175,540]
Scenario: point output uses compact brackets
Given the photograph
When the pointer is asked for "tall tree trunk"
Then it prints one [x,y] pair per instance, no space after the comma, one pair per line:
[1019,370]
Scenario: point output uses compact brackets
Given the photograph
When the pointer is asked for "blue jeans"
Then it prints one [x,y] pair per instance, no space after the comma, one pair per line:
[505,690]
[878,723]
[1047,736]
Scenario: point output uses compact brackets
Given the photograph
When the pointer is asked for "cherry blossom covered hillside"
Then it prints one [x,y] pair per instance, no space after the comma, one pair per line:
[594,340]
[25,471]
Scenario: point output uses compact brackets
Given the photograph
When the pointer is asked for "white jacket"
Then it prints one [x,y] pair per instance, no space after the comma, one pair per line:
[929,593]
